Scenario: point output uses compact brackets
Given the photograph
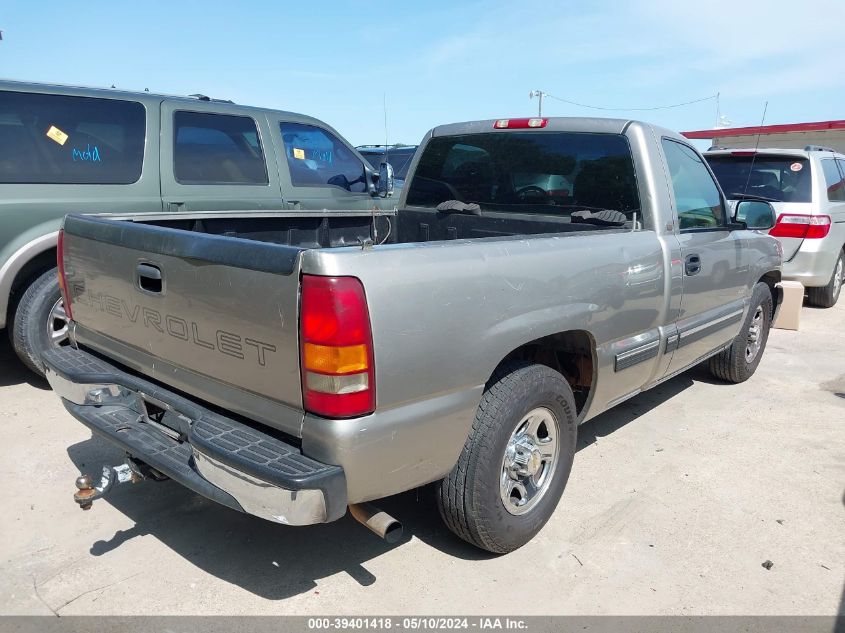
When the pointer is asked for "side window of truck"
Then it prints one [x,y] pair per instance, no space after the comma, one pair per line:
[317,158]
[833,180]
[217,149]
[57,139]
[697,198]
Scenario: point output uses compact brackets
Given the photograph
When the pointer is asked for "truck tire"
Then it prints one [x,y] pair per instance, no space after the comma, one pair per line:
[739,362]
[40,322]
[827,296]
[516,460]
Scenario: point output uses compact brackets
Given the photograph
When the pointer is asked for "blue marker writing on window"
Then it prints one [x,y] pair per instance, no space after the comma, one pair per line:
[88,154]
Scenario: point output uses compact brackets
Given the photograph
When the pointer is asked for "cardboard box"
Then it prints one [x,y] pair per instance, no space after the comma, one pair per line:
[790,310]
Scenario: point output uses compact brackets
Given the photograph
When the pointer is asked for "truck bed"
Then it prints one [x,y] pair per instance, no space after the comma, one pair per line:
[351,228]
[221,322]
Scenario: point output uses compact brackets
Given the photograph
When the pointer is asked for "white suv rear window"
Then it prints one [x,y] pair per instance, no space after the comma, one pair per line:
[776,178]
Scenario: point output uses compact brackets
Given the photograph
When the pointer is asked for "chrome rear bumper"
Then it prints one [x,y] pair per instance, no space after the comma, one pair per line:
[220,458]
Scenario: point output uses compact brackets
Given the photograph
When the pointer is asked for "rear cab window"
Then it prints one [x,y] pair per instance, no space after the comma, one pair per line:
[778,178]
[58,139]
[217,149]
[317,158]
[543,173]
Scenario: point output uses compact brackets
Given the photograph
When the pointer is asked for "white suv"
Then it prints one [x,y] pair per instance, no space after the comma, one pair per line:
[807,189]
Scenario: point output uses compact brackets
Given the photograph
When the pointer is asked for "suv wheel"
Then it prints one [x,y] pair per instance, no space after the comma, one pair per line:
[516,460]
[739,362]
[826,296]
[40,322]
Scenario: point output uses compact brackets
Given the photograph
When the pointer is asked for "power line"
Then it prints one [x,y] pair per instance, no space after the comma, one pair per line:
[665,107]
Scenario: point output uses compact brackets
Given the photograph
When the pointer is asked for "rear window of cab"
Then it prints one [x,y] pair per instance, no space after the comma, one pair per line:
[58,139]
[548,173]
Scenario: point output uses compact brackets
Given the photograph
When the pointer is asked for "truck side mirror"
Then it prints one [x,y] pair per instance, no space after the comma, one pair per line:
[755,214]
[384,186]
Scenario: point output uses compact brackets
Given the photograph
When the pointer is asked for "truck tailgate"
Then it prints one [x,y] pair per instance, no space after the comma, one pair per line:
[215,317]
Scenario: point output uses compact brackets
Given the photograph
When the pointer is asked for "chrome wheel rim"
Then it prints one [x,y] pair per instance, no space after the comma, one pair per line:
[837,278]
[57,323]
[755,335]
[531,456]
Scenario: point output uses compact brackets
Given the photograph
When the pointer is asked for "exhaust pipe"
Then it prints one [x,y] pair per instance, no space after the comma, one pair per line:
[377,521]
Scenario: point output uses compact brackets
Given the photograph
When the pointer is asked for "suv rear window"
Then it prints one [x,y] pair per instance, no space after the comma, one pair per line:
[776,178]
[549,173]
[217,149]
[56,139]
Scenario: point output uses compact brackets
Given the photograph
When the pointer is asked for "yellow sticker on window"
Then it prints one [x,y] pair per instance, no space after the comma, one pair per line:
[299,153]
[55,134]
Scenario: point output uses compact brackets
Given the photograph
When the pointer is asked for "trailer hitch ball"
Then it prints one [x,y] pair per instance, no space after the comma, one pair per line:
[85,491]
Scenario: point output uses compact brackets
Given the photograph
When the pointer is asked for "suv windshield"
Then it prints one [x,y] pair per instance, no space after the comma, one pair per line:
[776,178]
[553,173]
[399,158]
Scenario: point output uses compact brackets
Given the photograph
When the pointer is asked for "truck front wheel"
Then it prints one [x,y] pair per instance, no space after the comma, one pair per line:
[40,322]
[516,460]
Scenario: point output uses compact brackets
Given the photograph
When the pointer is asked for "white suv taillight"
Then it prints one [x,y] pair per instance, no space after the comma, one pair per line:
[801,226]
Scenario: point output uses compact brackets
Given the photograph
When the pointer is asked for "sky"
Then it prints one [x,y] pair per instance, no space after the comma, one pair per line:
[441,61]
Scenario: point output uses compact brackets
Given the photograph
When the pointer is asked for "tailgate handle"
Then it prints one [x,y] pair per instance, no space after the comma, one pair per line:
[149,278]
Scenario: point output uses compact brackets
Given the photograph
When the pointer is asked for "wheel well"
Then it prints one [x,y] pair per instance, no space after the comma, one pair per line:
[33,269]
[771,279]
[571,353]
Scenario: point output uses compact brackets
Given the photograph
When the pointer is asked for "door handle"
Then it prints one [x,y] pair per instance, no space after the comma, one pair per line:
[692,264]
[149,278]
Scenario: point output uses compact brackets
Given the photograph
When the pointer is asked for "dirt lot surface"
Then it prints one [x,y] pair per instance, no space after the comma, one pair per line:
[676,500]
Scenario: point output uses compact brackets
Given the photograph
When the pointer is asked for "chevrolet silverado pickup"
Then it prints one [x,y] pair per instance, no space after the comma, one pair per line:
[293,365]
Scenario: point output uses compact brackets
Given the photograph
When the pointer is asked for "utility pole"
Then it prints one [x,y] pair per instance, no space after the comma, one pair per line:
[539,94]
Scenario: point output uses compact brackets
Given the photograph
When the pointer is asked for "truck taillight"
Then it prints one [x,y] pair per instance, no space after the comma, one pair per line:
[801,226]
[336,347]
[60,264]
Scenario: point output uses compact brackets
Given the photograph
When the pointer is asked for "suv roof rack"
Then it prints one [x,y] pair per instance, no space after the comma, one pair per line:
[203,97]
[818,148]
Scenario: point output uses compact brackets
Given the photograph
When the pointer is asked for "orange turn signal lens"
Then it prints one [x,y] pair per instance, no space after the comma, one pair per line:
[326,359]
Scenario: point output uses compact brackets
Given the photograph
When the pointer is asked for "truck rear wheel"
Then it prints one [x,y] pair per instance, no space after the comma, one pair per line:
[515,462]
[827,296]
[40,322]
[739,362]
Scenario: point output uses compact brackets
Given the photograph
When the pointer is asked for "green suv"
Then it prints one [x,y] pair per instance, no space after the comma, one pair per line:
[115,153]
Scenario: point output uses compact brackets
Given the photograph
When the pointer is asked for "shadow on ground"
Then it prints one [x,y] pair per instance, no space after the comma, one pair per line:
[12,370]
[276,562]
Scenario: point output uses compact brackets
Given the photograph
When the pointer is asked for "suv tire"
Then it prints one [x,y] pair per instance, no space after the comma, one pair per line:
[516,461]
[827,296]
[739,362]
[39,323]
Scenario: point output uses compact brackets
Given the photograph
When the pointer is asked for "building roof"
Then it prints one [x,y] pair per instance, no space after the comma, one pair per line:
[816,126]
